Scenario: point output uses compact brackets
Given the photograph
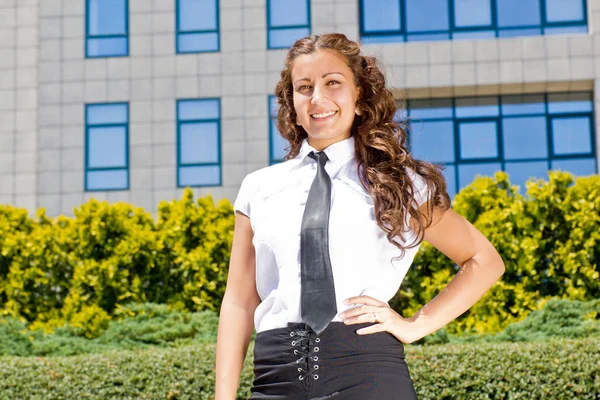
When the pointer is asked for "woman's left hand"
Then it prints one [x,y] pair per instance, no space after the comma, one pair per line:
[385,319]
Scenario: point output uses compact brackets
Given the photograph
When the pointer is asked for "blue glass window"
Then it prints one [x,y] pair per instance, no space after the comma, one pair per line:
[581,167]
[433,140]
[107,146]
[428,20]
[449,173]
[518,13]
[478,139]
[523,104]
[468,172]
[197,26]
[520,32]
[287,21]
[569,102]
[474,35]
[199,142]
[520,172]
[427,15]
[107,28]
[565,11]
[524,135]
[277,143]
[561,30]
[383,15]
[473,107]
[471,13]
[572,135]
[431,109]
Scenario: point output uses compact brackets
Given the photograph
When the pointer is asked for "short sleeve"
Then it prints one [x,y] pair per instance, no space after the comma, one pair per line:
[422,194]
[242,202]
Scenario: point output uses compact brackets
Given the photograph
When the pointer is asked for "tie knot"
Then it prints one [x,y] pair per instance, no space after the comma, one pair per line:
[320,157]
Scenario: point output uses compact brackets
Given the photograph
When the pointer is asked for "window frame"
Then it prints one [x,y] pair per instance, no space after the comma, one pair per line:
[272,28]
[89,36]
[179,32]
[404,36]
[179,122]
[501,159]
[87,149]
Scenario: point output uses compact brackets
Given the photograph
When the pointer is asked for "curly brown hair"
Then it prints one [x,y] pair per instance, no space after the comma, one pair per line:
[381,153]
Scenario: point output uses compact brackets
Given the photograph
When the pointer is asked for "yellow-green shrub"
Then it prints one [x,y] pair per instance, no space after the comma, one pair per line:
[65,270]
[57,271]
[549,241]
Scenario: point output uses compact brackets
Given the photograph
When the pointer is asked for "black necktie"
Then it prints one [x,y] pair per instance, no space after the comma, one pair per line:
[317,297]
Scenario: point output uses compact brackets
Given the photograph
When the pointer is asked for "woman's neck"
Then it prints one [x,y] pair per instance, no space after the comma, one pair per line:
[322,144]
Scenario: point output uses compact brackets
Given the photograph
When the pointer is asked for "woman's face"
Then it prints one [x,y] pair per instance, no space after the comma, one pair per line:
[324,97]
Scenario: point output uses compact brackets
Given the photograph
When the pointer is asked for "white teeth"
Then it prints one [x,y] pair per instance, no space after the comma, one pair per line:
[325,115]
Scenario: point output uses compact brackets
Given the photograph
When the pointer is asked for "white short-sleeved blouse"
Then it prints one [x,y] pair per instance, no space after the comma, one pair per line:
[361,256]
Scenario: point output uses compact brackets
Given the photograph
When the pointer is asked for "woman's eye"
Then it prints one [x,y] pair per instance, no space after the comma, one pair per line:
[302,87]
[332,82]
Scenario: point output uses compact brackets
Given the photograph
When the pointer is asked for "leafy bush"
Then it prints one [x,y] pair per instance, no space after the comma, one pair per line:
[136,326]
[549,241]
[15,338]
[558,318]
[78,271]
[557,369]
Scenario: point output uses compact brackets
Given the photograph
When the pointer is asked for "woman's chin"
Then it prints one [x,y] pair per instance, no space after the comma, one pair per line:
[325,133]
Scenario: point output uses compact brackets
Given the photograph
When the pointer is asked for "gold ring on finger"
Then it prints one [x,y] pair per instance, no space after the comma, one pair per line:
[376,316]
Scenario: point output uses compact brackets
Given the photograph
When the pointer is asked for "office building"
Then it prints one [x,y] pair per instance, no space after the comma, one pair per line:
[133,100]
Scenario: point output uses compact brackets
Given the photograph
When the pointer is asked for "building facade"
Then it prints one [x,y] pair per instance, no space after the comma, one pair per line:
[134,100]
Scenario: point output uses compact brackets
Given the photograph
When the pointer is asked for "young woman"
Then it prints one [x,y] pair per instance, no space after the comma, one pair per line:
[351,200]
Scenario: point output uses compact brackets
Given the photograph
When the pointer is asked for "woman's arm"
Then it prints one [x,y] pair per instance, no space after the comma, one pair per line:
[236,319]
[480,267]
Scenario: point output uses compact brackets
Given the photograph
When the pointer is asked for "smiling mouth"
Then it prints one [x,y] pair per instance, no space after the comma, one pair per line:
[323,115]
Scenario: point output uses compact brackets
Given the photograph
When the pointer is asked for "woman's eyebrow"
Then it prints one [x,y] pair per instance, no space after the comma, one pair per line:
[322,76]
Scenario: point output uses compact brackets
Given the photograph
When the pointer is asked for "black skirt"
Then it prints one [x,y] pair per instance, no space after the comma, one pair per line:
[296,363]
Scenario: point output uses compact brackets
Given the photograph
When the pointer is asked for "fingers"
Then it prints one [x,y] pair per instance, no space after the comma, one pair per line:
[363,314]
[359,319]
[353,312]
[368,300]
[371,329]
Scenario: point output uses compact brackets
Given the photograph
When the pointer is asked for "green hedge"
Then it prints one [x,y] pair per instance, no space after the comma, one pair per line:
[549,241]
[136,327]
[557,369]
[558,318]
[140,326]
[149,349]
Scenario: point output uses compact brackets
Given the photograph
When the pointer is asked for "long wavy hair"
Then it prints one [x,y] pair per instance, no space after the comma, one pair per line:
[381,152]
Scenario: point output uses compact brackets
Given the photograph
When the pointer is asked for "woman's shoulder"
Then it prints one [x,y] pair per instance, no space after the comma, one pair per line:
[257,182]
[268,174]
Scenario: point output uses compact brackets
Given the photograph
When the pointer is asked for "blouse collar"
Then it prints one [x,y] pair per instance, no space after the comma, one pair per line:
[337,152]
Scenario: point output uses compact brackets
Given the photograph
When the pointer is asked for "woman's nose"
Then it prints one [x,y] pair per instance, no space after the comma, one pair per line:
[318,95]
